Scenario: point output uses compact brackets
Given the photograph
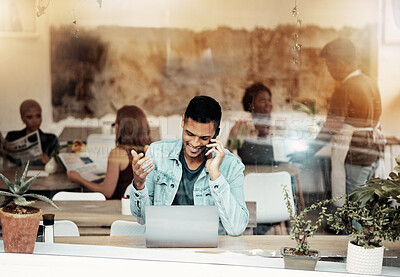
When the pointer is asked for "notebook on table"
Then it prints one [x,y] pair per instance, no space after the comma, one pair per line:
[182,226]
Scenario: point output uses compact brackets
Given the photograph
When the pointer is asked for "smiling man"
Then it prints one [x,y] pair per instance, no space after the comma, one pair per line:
[193,170]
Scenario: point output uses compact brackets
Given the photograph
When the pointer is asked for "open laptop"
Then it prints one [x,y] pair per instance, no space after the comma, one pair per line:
[182,226]
[257,151]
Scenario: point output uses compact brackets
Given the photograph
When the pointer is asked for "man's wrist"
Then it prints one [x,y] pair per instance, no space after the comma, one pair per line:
[138,187]
[214,175]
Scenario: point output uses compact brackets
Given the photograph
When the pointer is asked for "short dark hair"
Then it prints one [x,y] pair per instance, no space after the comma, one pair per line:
[204,109]
[251,93]
[339,49]
[28,104]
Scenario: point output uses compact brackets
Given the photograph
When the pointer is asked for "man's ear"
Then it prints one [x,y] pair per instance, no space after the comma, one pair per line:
[183,120]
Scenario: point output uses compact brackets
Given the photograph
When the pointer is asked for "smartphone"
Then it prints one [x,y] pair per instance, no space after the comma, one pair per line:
[215,136]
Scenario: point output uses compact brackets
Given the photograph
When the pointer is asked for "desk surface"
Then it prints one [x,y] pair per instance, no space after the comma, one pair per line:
[246,258]
[293,169]
[54,182]
[103,213]
[267,245]
[87,213]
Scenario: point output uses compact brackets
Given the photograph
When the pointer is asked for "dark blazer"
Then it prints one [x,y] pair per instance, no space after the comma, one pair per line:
[358,102]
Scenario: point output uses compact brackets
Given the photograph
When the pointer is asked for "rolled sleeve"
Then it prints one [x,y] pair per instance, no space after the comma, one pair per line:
[139,199]
[229,198]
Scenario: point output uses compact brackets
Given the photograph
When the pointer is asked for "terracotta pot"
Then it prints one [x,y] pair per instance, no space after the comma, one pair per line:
[20,231]
[298,261]
[364,261]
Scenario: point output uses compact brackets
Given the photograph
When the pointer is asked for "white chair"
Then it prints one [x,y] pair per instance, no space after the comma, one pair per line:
[78,196]
[99,146]
[65,228]
[127,228]
[128,190]
[266,190]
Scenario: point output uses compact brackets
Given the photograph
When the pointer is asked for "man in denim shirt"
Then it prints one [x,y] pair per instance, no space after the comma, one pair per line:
[193,170]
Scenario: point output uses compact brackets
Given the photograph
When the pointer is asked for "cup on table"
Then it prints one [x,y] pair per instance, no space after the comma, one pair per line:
[125,206]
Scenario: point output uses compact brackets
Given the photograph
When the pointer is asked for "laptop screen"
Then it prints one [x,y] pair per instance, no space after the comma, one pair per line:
[257,151]
[182,226]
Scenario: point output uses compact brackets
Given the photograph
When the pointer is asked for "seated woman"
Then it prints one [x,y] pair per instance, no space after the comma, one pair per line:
[31,115]
[132,132]
[257,100]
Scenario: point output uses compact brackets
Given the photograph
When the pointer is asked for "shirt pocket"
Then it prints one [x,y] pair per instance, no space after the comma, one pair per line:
[208,199]
[163,189]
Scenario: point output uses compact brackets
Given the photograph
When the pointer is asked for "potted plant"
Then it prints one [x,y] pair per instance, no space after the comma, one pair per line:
[369,216]
[301,256]
[19,220]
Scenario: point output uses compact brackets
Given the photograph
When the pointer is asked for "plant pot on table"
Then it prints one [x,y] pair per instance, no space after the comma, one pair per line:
[364,260]
[301,262]
[20,230]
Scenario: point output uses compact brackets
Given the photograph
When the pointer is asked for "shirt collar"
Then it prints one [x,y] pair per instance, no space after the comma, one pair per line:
[352,74]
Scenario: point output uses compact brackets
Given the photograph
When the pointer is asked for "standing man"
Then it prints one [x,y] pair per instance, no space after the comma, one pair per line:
[193,170]
[352,123]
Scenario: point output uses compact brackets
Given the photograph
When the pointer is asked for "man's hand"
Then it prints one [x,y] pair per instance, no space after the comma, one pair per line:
[141,167]
[213,163]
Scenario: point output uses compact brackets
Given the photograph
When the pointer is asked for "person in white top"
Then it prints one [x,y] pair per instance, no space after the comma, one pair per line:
[352,124]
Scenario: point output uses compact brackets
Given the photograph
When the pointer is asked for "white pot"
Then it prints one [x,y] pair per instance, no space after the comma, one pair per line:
[364,261]
[51,166]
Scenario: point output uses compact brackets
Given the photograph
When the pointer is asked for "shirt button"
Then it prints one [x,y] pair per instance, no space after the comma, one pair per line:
[172,185]
[216,187]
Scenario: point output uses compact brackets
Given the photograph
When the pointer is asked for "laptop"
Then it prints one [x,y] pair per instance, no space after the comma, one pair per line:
[182,226]
[257,151]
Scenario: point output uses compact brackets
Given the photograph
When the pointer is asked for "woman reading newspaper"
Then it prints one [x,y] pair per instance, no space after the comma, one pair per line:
[132,131]
[31,115]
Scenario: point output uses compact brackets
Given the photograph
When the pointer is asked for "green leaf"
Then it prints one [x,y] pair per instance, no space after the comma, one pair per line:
[8,194]
[21,201]
[16,182]
[24,174]
[5,202]
[41,198]
[7,182]
[25,186]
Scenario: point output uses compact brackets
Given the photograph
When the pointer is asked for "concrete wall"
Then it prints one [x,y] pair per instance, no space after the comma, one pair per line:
[25,65]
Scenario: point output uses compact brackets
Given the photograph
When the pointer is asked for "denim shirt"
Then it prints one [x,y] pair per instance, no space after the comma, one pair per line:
[161,185]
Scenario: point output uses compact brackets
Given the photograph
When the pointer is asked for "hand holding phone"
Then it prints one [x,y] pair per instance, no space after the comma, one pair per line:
[214,137]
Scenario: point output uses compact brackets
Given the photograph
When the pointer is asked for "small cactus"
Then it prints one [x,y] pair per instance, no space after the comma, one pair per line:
[18,191]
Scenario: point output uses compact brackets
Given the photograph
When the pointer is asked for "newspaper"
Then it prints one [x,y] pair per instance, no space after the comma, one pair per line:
[83,164]
[27,148]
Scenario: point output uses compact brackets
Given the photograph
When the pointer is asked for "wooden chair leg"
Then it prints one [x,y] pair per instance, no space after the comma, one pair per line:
[278,230]
[283,228]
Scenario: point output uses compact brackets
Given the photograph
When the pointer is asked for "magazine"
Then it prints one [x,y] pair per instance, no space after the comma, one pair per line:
[83,164]
[24,149]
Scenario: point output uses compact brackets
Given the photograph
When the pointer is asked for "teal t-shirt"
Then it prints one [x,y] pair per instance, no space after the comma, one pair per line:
[184,195]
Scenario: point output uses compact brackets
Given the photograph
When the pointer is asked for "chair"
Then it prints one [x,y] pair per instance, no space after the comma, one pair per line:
[266,190]
[127,228]
[128,190]
[99,146]
[65,228]
[78,196]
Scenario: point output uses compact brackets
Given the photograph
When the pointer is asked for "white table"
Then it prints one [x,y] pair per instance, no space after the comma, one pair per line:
[95,260]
